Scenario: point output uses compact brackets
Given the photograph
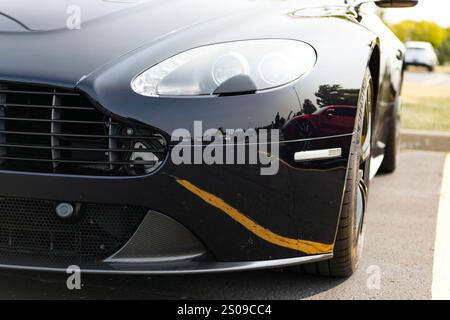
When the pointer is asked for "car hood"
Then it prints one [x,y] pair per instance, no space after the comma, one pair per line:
[41,48]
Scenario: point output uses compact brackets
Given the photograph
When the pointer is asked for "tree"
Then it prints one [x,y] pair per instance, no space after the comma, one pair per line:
[444,52]
[409,30]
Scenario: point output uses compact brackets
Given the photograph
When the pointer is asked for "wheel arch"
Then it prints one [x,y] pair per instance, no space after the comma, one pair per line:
[374,66]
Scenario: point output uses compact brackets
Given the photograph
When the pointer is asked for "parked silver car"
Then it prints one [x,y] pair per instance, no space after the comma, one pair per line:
[420,54]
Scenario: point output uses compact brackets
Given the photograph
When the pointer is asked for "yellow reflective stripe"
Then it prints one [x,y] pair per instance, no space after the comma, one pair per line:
[307,247]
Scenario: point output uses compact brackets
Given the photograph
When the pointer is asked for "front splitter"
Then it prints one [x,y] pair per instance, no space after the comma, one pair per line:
[179,268]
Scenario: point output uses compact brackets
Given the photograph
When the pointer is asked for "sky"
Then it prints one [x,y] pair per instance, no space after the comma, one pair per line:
[432,10]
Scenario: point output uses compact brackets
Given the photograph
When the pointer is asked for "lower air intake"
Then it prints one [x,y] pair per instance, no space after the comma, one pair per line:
[31,230]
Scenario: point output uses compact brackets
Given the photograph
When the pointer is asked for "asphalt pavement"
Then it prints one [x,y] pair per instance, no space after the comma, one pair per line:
[397,262]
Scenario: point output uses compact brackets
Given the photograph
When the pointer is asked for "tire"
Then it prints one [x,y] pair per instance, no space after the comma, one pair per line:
[392,149]
[350,233]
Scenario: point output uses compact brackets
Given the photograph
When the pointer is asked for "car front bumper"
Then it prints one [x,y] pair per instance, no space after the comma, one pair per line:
[241,219]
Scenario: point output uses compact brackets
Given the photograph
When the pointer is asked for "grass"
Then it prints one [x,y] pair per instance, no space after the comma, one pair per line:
[426,107]
[443,69]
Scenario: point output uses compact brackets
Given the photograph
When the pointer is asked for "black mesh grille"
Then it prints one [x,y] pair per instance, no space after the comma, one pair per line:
[30,229]
[58,131]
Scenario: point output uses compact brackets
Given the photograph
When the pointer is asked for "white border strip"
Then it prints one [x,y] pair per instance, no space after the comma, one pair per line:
[441,272]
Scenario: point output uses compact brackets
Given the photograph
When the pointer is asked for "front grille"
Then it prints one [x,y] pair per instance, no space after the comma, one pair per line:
[30,230]
[59,131]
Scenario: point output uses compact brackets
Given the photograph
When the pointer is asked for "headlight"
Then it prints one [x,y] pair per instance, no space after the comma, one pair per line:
[227,68]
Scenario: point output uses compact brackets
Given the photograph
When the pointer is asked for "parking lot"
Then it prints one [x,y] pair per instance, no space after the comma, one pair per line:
[397,263]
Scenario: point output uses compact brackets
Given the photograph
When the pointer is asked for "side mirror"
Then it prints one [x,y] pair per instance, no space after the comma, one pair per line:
[396,3]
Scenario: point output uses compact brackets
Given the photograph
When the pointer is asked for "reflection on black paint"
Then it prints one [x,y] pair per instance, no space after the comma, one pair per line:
[309,107]
[329,95]
[331,114]
[329,121]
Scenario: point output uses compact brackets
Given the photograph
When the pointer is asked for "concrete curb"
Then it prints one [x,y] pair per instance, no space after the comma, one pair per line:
[425,140]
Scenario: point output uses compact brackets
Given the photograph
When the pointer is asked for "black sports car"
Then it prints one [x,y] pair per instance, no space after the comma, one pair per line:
[185,136]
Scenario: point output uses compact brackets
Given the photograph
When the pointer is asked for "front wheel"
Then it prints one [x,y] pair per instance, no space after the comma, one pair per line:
[350,234]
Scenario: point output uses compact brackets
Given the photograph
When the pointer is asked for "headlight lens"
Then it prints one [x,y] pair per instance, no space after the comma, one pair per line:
[265,64]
